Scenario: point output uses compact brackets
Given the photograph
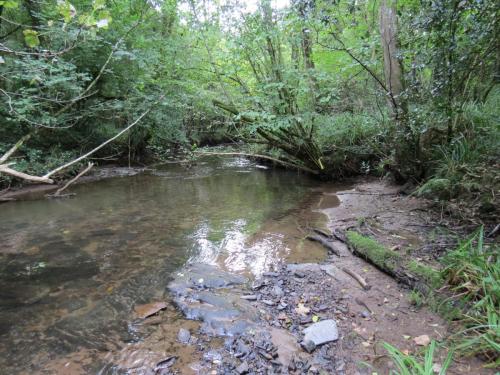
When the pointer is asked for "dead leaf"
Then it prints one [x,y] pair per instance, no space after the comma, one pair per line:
[423,340]
[302,310]
[143,311]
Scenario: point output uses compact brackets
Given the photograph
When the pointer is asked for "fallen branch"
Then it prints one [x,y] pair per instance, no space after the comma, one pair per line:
[325,241]
[14,148]
[257,156]
[46,178]
[73,180]
[358,278]
[12,172]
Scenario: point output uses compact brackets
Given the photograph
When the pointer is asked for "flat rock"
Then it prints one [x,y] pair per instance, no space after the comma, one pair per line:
[322,332]
[329,269]
[303,267]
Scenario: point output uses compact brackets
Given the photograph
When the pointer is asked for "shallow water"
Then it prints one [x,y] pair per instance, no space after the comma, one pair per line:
[71,271]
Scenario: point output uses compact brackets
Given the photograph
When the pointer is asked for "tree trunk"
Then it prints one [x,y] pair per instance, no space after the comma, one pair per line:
[393,69]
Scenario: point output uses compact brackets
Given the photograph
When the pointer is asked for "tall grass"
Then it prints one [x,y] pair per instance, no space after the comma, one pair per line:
[411,365]
[473,274]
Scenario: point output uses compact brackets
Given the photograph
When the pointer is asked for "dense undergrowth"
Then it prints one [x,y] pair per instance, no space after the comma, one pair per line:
[318,84]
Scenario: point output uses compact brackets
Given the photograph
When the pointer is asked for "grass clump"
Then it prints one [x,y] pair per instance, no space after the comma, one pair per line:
[429,275]
[411,365]
[473,274]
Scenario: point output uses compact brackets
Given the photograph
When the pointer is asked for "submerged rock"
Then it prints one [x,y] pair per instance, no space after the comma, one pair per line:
[202,292]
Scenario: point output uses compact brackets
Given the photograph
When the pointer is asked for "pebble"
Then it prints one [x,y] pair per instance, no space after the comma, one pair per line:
[183,336]
[268,302]
[308,345]
[250,297]
[242,368]
[277,291]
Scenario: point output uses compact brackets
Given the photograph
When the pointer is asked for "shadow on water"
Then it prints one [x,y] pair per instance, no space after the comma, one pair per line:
[71,271]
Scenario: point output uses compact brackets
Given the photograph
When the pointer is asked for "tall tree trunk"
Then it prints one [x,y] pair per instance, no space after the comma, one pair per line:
[393,69]
[406,146]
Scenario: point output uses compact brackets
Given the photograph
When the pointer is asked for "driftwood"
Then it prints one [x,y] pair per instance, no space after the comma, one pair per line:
[264,157]
[70,182]
[358,278]
[325,241]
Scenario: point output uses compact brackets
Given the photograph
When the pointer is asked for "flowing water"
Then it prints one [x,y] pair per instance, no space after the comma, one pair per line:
[72,270]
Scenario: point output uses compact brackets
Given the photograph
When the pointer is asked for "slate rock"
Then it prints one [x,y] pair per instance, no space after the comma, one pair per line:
[242,368]
[308,346]
[322,332]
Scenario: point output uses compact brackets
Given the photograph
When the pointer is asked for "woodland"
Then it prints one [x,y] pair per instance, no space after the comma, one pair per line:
[407,90]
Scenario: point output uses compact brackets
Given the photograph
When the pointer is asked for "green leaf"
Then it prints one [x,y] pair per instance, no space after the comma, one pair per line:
[66,9]
[99,4]
[31,38]
[9,4]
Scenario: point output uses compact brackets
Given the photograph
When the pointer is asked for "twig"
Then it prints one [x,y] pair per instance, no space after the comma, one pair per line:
[358,278]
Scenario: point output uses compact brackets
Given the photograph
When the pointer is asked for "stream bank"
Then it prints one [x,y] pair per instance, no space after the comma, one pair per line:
[263,324]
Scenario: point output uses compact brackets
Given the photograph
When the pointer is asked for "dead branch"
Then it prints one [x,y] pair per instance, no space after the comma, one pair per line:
[14,148]
[73,180]
[58,169]
[12,172]
[358,278]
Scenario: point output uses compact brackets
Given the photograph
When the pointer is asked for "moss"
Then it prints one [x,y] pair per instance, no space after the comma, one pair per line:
[373,250]
[428,274]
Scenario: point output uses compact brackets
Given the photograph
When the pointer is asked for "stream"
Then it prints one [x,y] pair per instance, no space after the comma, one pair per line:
[72,270]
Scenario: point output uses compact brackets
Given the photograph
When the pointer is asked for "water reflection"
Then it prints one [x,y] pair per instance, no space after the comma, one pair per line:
[71,271]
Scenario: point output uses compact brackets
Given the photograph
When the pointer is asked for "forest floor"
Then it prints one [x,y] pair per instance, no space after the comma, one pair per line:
[258,326]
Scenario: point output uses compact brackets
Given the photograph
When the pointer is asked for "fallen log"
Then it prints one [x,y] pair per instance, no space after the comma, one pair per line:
[325,241]
[409,272]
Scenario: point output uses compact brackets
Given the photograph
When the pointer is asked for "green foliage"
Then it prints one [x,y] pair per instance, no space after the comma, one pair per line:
[306,80]
[410,365]
[473,273]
